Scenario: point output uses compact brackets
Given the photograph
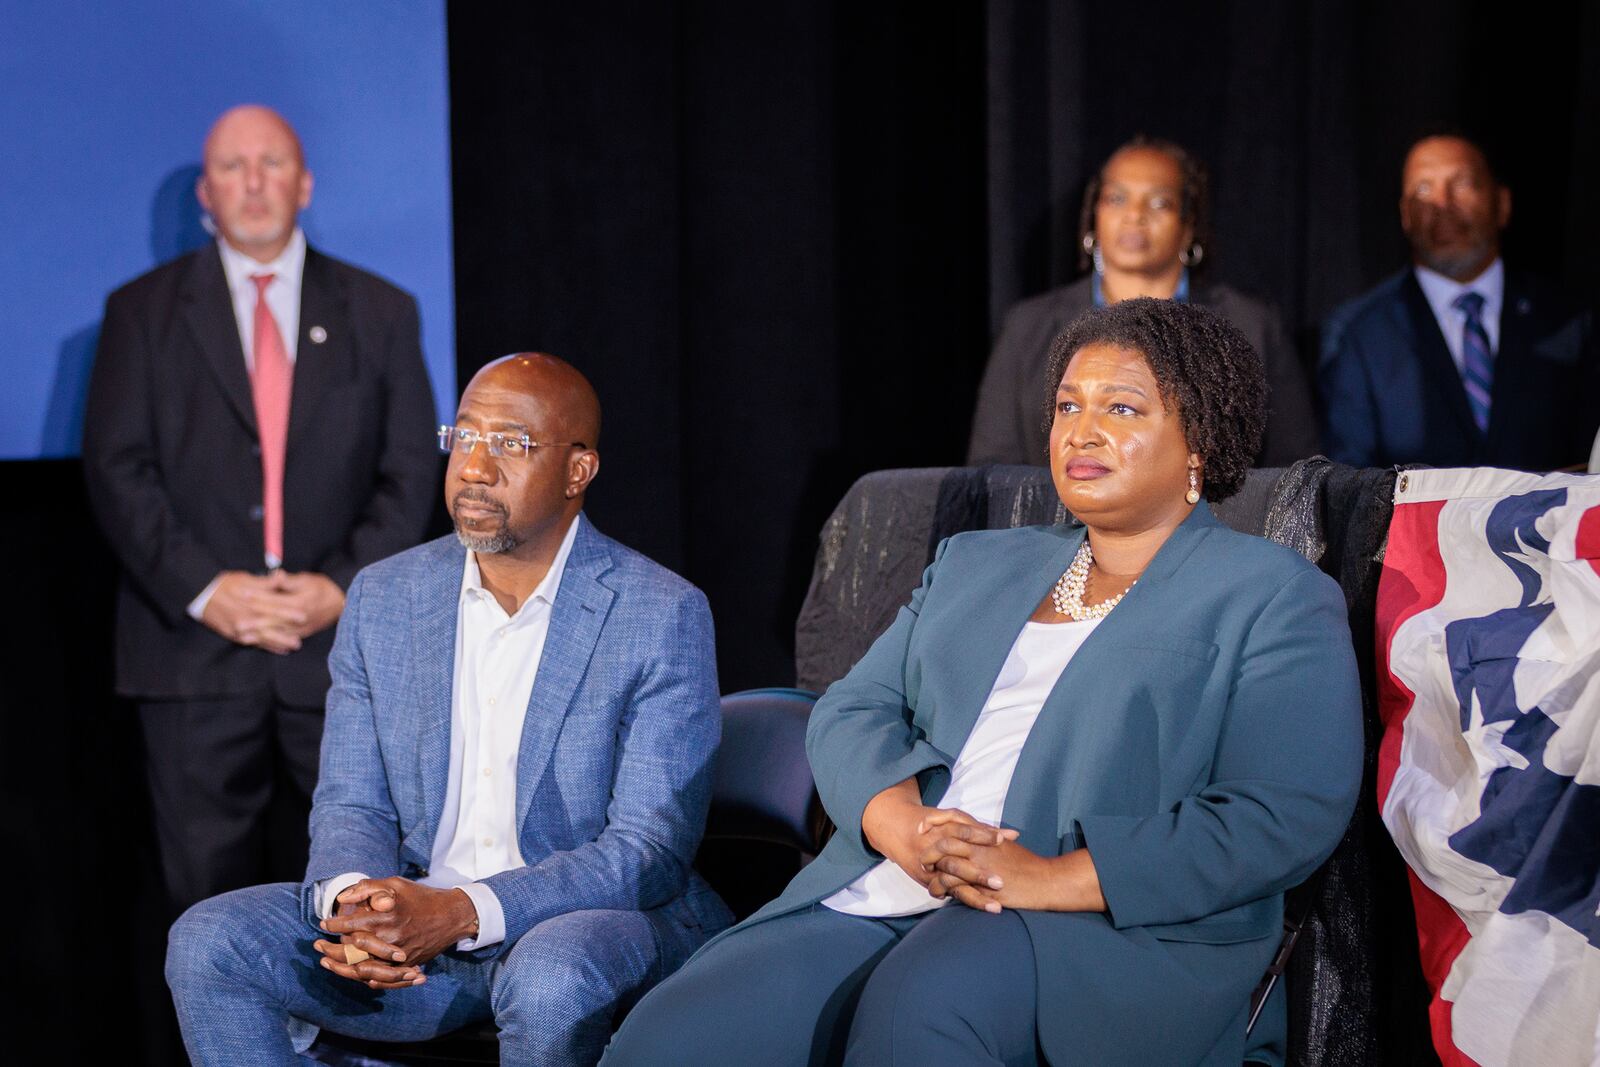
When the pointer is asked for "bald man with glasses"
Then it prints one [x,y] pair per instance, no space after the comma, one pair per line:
[515,775]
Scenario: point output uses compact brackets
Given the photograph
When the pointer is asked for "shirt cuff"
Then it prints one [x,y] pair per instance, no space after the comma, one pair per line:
[491,918]
[197,606]
[329,889]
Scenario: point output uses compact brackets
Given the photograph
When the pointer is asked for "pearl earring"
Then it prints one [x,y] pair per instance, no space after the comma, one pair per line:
[1193,495]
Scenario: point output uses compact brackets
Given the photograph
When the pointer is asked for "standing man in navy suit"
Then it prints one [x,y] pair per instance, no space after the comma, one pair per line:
[515,777]
[256,433]
[1458,360]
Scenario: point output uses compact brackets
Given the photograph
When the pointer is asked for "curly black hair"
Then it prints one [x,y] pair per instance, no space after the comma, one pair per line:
[1194,206]
[1202,364]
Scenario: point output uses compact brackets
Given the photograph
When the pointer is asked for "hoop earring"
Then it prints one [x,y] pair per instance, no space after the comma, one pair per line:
[1097,257]
[1191,256]
[1193,495]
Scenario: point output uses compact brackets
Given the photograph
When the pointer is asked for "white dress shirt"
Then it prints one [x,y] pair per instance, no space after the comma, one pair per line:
[496,660]
[981,777]
[283,293]
[283,298]
[1442,292]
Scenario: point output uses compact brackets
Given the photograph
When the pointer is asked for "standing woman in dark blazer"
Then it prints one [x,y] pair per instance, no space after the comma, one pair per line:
[1075,776]
[1144,230]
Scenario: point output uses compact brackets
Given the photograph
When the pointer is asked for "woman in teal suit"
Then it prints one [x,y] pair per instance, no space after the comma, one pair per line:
[1076,775]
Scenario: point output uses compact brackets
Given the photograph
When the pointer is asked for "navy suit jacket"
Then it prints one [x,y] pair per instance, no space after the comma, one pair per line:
[1390,392]
[1204,744]
[615,768]
[173,462]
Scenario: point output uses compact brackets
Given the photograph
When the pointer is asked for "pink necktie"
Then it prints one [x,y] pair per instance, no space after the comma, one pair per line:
[272,380]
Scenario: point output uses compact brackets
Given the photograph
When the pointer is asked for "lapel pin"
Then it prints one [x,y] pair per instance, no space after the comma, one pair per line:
[318,335]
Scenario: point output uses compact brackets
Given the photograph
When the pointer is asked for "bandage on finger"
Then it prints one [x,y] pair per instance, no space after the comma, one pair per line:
[353,955]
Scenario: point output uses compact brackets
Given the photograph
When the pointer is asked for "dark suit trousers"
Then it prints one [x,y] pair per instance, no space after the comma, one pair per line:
[230,786]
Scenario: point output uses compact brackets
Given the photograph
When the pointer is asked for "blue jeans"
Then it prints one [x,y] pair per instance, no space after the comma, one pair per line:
[249,989]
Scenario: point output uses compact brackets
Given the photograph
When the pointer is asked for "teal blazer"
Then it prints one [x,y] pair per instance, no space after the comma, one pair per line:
[1204,744]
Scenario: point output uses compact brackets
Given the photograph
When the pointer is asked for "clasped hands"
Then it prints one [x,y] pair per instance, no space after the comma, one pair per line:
[274,611]
[984,867]
[400,924]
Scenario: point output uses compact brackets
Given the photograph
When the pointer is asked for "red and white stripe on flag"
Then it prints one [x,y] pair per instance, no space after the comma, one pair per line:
[1488,647]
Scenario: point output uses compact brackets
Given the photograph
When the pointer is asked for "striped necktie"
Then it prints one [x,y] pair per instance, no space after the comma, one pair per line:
[1477,361]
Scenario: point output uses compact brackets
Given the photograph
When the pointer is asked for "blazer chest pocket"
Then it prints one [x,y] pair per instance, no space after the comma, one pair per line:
[1561,348]
[1168,667]
[1172,645]
[1153,694]
[343,391]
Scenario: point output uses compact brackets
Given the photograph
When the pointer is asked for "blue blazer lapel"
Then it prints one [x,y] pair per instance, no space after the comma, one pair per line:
[576,619]
[1140,612]
[433,658]
[989,631]
[1433,356]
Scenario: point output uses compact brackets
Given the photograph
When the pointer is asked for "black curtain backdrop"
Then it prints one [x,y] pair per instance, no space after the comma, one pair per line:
[1303,113]
[758,228]
[777,237]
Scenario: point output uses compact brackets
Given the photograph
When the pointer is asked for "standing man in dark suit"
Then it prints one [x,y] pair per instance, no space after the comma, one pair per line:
[1458,360]
[256,432]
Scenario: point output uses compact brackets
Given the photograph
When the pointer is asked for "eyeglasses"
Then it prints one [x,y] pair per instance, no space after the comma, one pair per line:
[501,445]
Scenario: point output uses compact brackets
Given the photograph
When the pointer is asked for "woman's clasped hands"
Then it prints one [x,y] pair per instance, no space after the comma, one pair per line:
[984,867]
[976,864]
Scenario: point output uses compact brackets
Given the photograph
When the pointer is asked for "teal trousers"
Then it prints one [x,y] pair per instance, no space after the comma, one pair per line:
[952,987]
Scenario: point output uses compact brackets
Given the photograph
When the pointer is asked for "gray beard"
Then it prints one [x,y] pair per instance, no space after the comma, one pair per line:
[491,544]
[1457,263]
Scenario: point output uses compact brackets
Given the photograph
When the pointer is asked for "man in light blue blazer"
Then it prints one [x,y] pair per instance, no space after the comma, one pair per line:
[515,776]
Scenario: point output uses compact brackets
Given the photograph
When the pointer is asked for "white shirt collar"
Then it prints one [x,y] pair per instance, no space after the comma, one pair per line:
[545,592]
[288,266]
[1442,291]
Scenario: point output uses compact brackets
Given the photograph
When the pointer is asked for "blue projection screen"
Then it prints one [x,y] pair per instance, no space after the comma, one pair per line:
[103,107]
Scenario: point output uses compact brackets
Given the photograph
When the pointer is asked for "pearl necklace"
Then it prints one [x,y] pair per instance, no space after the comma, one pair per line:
[1067,596]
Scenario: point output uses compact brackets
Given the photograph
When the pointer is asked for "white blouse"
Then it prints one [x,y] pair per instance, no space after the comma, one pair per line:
[982,773]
